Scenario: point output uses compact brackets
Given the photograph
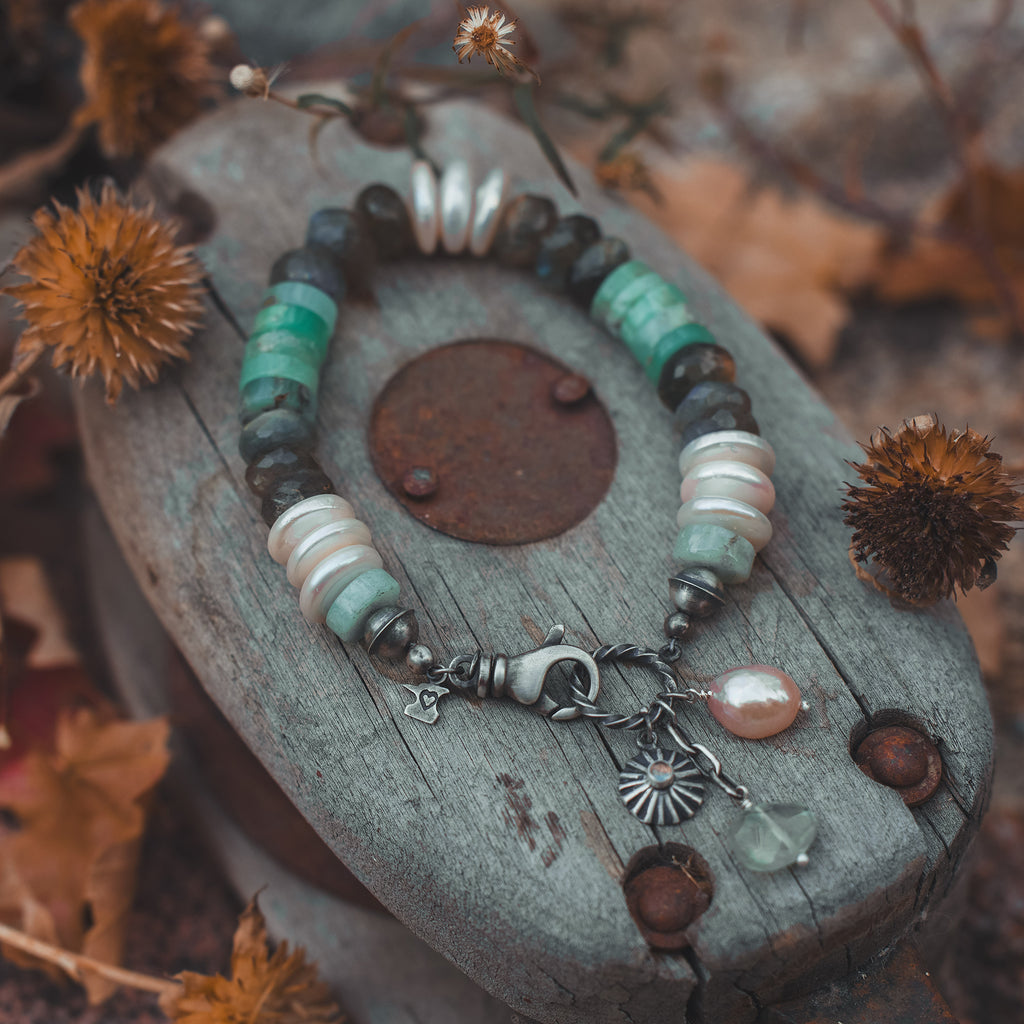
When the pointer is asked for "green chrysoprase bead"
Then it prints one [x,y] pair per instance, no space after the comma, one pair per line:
[669,344]
[296,319]
[689,366]
[265,393]
[659,310]
[298,293]
[709,546]
[619,290]
[772,836]
[309,350]
[359,600]
[276,364]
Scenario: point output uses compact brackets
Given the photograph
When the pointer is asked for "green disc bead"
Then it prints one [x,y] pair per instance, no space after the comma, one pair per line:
[670,343]
[651,317]
[359,600]
[709,546]
[619,290]
[309,350]
[266,393]
[296,319]
[298,293]
[277,364]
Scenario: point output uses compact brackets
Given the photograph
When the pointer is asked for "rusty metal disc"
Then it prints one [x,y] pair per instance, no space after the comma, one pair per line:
[477,440]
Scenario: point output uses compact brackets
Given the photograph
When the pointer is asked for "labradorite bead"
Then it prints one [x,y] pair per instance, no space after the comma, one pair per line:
[298,293]
[344,235]
[707,397]
[290,490]
[266,393]
[720,419]
[561,247]
[387,221]
[274,429]
[591,268]
[689,366]
[621,288]
[527,219]
[313,264]
[768,837]
[267,471]
[710,546]
[679,337]
[358,601]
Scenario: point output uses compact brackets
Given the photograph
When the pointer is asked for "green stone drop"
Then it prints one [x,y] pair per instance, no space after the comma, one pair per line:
[772,836]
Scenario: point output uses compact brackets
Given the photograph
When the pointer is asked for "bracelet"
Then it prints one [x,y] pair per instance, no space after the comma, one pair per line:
[726,491]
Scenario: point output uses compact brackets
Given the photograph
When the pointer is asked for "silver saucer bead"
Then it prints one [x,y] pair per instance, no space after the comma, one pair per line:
[678,626]
[697,592]
[420,659]
[390,632]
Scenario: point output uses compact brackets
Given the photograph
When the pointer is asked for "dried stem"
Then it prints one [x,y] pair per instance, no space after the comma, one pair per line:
[18,372]
[73,964]
[30,166]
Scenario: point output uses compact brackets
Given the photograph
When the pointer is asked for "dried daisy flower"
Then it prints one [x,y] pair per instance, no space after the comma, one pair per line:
[107,290]
[146,72]
[482,33]
[935,510]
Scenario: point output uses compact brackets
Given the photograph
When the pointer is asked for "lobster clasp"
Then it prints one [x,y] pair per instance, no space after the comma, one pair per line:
[523,676]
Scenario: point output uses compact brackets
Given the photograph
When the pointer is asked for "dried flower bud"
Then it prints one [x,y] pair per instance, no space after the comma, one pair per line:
[935,512]
[251,80]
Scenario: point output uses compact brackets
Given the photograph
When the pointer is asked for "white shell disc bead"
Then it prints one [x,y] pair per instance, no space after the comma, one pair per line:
[424,206]
[729,446]
[331,575]
[301,519]
[734,515]
[490,197]
[727,479]
[455,193]
[322,541]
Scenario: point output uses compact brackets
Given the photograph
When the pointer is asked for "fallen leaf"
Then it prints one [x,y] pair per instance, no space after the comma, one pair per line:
[80,817]
[281,988]
[790,263]
[932,267]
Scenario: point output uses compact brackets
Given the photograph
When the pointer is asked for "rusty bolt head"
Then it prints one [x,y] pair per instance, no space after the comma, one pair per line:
[903,759]
[570,389]
[419,482]
[665,901]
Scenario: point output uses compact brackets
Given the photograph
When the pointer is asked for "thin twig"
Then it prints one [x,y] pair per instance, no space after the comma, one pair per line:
[33,165]
[73,964]
[18,372]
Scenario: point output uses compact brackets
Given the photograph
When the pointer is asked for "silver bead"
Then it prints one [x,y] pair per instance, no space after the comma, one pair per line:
[390,632]
[678,626]
[420,658]
[697,592]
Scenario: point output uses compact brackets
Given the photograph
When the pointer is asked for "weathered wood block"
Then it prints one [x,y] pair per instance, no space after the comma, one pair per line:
[497,836]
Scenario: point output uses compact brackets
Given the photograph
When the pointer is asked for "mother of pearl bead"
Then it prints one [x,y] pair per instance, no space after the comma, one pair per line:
[302,518]
[727,479]
[734,515]
[319,543]
[490,197]
[455,193]
[423,206]
[754,701]
[731,445]
[331,575]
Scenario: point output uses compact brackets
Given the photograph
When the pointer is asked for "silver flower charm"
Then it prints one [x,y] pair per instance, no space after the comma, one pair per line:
[661,787]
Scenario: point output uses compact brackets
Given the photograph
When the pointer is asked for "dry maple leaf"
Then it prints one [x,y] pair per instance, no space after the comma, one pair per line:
[263,989]
[79,809]
[788,262]
[146,72]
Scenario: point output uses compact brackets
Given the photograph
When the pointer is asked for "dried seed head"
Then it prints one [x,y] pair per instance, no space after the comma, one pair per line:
[485,34]
[935,512]
[107,289]
[146,72]
[249,79]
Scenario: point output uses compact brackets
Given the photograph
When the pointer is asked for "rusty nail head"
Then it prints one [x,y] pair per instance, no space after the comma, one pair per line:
[419,482]
[903,759]
[570,389]
[665,901]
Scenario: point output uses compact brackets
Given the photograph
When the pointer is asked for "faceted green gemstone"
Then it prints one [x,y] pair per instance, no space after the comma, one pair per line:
[359,600]
[619,290]
[714,547]
[672,341]
[298,293]
[278,364]
[772,836]
[296,319]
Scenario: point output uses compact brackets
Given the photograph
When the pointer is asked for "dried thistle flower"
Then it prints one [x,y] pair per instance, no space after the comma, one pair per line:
[934,513]
[486,34]
[146,72]
[107,289]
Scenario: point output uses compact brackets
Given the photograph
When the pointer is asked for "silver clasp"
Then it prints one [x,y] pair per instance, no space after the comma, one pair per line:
[523,676]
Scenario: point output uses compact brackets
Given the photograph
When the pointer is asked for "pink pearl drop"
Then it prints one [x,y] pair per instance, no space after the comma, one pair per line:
[754,701]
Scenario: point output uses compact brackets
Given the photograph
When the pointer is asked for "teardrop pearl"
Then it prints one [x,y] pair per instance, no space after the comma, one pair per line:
[754,701]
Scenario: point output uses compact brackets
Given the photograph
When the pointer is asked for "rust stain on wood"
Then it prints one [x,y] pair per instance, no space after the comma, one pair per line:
[517,812]
[550,855]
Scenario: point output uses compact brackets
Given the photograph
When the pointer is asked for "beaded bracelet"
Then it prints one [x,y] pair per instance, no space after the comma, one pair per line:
[726,492]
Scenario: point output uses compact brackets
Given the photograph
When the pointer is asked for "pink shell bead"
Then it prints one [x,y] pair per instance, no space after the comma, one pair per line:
[726,479]
[754,701]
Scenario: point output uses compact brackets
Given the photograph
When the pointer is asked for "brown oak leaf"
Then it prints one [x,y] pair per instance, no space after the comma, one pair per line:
[67,871]
[264,988]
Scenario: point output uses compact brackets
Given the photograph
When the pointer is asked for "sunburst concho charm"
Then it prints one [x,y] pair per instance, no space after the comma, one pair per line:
[661,787]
